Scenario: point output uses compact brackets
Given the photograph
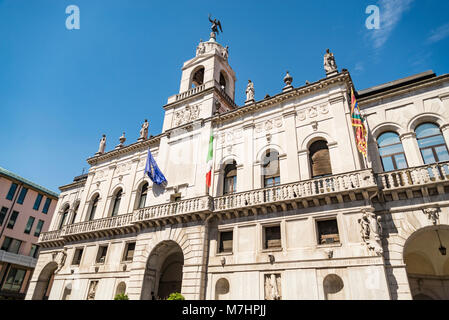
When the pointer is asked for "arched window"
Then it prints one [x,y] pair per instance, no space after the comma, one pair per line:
[270,169]
[391,151]
[431,143]
[93,207]
[230,178]
[198,78]
[222,81]
[222,289]
[75,212]
[320,161]
[121,288]
[64,215]
[116,205]
[143,195]
[333,287]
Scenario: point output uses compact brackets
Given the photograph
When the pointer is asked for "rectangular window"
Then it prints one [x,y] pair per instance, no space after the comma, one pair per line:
[38,231]
[22,195]
[3,215]
[29,225]
[46,205]
[37,203]
[225,241]
[14,280]
[12,220]
[328,231]
[11,245]
[101,255]
[12,191]
[129,251]
[77,257]
[272,237]
[34,251]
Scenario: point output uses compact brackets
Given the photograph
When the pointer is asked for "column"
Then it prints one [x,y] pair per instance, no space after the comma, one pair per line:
[248,158]
[411,149]
[291,148]
[304,166]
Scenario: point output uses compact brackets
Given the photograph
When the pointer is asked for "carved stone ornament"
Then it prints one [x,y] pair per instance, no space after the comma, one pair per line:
[273,287]
[186,115]
[312,112]
[371,231]
[432,215]
[102,146]
[61,257]
[330,65]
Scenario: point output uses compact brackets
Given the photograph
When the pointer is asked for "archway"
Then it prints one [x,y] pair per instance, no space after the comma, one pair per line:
[163,273]
[45,282]
[427,263]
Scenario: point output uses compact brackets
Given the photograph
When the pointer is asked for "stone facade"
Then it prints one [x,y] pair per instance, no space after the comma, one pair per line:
[291,234]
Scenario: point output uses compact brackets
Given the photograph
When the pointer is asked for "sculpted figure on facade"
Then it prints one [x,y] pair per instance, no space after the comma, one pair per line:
[330,65]
[272,287]
[144,131]
[201,49]
[225,53]
[250,91]
[102,145]
[371,231]
[92,290]
[62,256]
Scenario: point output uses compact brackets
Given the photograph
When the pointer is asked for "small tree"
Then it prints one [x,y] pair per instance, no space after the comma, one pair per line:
[121,296]
[176,296]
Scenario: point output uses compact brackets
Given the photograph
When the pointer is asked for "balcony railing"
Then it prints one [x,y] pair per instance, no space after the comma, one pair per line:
[352,183]
[50,236]
[99,224]
[417,176]
[190,92]
[298,190]
[189,206]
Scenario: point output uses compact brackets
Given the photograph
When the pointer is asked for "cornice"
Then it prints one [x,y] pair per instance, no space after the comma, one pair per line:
[137,146]
[283,96]
[401,90]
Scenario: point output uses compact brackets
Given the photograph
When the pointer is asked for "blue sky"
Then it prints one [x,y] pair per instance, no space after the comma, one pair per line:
[60,89]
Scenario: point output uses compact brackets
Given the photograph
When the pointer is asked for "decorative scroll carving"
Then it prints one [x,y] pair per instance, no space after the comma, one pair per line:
[432,215]
[60,259]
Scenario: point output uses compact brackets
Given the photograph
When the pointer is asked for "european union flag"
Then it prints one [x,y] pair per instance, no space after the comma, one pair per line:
[153,170]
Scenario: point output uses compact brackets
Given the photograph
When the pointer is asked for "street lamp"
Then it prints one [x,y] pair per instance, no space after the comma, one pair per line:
[441,248]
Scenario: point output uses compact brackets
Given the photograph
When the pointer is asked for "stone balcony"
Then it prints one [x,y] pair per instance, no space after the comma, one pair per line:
[303,194]
[174,212]
[340,188]
[414,182]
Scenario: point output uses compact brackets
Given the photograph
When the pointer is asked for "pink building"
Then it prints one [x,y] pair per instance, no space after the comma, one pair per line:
[26,210]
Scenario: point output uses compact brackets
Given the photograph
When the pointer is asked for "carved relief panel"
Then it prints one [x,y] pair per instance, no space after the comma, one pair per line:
[272,284]
[312,112]
[186,115]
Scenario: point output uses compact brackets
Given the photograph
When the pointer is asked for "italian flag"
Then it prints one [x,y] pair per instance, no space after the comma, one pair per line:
[210,154]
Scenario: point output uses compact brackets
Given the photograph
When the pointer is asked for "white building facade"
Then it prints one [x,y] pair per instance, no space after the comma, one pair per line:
[294,211]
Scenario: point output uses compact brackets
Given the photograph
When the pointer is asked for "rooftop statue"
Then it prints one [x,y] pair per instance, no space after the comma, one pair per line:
[215,24]
[329,62]
[102,145]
